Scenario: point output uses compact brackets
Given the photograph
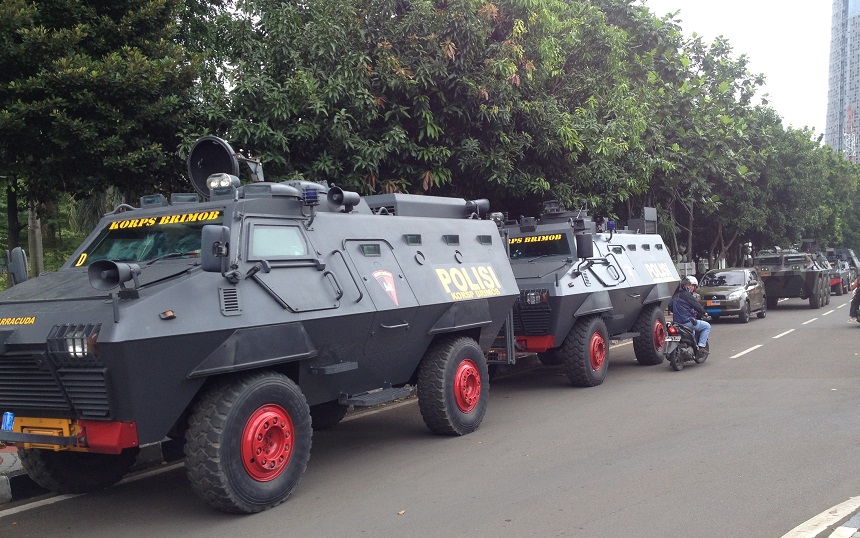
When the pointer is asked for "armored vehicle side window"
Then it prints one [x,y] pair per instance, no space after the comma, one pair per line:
[270,242]
[536,246]
[143,239]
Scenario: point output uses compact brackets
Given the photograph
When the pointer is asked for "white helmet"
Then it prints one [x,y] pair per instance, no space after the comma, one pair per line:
[690,281]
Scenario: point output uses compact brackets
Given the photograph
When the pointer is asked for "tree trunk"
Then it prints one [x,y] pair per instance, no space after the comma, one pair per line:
[34,242]
[15,226]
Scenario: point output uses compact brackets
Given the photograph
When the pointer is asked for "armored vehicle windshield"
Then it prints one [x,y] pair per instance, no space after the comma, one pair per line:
[538,246]
[143,239]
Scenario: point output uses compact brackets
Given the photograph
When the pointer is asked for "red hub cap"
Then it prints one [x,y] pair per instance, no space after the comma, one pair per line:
[267,442]
[597,351]
[659,335]
[467,386]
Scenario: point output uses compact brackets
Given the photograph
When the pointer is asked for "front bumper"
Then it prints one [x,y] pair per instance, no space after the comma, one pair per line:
[723,307]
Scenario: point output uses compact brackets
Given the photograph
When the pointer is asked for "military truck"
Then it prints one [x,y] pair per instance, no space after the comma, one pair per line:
[581,287]
[243,321]
[789,273]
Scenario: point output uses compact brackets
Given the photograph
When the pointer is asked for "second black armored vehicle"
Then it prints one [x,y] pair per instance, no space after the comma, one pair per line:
[241,322]
[581,288]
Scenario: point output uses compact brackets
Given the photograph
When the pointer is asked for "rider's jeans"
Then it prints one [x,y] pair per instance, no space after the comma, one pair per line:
[702,328]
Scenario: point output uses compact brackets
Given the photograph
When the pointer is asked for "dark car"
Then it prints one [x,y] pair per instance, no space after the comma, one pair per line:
[840,277]
[733,292]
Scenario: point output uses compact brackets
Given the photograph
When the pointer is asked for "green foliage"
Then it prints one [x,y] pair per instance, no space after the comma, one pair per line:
[597,103]
[92,95]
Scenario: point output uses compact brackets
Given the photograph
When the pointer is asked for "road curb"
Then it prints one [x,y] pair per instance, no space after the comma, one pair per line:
[18,486]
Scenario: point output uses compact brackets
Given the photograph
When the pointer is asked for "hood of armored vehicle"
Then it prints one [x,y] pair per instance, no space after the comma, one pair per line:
[74,283]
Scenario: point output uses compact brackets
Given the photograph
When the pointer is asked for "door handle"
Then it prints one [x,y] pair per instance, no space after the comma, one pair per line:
[398,326]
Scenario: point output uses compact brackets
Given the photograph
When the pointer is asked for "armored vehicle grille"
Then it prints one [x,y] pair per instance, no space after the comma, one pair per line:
[87,390]
[531,320]
[26,385]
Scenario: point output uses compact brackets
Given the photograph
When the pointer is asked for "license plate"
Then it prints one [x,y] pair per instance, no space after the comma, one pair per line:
[713,303]
[673,338]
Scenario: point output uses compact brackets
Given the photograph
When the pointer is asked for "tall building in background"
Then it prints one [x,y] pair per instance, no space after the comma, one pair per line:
[843,96]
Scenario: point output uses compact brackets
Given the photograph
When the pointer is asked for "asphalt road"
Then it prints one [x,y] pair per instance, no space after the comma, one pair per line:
[745,445]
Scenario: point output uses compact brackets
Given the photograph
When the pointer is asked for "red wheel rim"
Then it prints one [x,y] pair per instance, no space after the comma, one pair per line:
[267,443]
[467,386]
[598,351]
[659,335]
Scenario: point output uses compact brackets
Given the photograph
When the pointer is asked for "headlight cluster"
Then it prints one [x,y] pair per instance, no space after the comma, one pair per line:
[535,297]
[735,295]
[79,344]
[74,345]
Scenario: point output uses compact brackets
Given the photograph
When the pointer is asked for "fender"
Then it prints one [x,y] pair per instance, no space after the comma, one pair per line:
[255,347]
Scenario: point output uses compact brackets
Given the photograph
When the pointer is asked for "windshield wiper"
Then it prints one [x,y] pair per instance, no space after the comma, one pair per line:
[173,255]
[539,257]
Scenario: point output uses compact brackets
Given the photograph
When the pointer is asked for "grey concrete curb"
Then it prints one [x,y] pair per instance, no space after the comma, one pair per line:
[18,485]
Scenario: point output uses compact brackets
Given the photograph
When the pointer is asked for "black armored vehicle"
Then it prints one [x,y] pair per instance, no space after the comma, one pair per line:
[789,273]
[241,322]
[580,288]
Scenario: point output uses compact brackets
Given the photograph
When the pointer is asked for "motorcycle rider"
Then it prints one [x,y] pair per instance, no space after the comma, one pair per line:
[686,309]
[855,300]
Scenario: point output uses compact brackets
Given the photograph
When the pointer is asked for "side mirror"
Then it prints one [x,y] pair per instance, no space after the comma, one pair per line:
[584,246]
[18,271]
[214,248]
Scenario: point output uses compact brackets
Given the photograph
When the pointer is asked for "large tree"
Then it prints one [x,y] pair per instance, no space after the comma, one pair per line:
[91,94]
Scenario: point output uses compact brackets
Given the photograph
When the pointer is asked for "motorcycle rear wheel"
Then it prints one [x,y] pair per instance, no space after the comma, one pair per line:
[676,361]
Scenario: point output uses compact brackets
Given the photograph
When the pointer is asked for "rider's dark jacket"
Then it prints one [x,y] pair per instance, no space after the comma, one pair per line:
[685,308]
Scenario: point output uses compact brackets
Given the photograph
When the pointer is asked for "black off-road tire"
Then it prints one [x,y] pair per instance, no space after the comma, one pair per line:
[840,289]
[76,472]
[651,326]
[453,386]
[744,316]
[772,302]
[815,301]
[827,296]
[248,442]
[327,415]
[585,351]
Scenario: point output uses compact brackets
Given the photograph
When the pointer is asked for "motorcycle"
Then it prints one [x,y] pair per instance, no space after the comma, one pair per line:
[681,346]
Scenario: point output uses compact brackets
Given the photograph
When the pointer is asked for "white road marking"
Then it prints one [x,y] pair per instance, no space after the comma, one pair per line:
[843,304]
[744,352]
[828,312]
[780,335]
[810,321]
[818,524]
